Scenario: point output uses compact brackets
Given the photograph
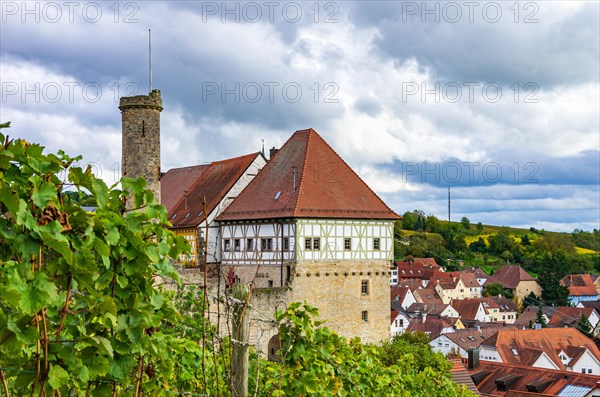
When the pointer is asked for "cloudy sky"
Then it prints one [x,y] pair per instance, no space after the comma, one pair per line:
[498,101]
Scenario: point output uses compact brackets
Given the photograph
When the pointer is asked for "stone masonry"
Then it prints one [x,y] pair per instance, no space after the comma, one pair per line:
[141,138]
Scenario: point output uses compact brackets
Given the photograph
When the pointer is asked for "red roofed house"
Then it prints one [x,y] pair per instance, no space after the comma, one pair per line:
[551,348]
[581,288]
[517,280]
[308,221]
[567,316]
[190,193]
[402,295]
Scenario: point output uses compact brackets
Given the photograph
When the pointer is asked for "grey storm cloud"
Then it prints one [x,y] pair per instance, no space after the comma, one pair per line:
[378,80]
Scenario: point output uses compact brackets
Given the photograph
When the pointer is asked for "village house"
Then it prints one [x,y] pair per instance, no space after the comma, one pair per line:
[517,280]
[400,320]
[431,326]
[581,288]
[402,295]
[567,316]
[427,295]
[550,348]
[459,342]
[436,310]
[479,274]
[471,309]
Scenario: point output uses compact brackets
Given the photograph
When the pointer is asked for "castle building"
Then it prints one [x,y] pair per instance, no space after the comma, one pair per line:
[308,221]
[303,223]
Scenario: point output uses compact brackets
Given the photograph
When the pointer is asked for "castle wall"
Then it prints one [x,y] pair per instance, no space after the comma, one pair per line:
[335,288]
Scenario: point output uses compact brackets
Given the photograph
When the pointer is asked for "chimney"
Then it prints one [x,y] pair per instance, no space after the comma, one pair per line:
[473,362]
[140,119]
[424,317]
[272,152]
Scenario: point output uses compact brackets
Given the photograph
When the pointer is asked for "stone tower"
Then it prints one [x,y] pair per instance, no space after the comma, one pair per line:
[140,117]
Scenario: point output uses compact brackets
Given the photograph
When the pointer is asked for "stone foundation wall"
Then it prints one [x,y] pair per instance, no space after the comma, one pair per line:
[334,288]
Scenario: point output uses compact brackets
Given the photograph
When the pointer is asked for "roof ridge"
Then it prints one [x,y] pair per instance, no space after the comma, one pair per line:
[299,188]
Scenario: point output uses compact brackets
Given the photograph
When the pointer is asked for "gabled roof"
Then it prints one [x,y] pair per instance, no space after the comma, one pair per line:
[467,308]
[307,179]
[569,316]
[470,337]
[432,326]
[511,276]
[524,346]
[212,182]
[427,295]
[399,292]
[469,280]
[505,304]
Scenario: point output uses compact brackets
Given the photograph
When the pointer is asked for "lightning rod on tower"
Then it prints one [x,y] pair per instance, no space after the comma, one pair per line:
[150,58]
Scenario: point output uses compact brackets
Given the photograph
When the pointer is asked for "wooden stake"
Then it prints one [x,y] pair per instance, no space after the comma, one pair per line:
[239,356]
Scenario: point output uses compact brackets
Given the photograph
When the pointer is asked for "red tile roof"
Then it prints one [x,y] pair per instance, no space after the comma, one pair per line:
[577,280]
[212,184]
[588,290]
[428,295]
[529,344]
[467,308]
[511,276]
[526,379]
[570,316]
[325,186]
[461,376]
[176,181]
[432,326]
[398,291]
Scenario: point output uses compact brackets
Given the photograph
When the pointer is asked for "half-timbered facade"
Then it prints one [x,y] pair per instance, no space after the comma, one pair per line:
[307,221]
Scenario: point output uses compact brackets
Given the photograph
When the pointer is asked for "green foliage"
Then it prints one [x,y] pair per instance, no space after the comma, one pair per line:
[465,222]
[554,270]
[589,240]
[78,308]
[584,326]
[496,289]
[315,361]
[540,319]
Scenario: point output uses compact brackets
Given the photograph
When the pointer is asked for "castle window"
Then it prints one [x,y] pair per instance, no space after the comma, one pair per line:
[236,244]
[347,244]
[226,244]
[364,287]
[286,243]
[270,283]
[266,244]
[250,244]
[316,243]
[365,315]
[308,243]
[376,244]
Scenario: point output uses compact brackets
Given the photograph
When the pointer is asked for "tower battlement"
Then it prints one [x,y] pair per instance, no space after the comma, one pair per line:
[151,101]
